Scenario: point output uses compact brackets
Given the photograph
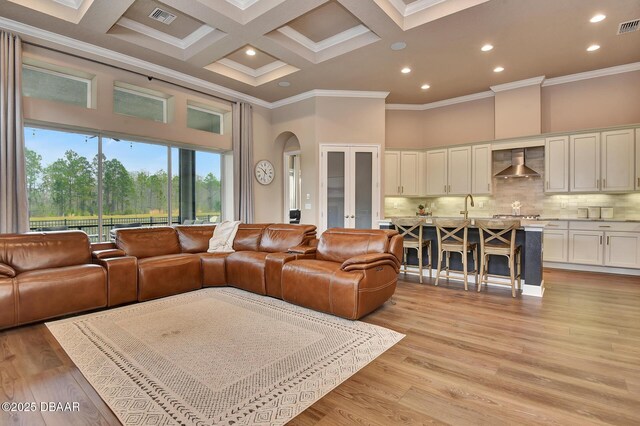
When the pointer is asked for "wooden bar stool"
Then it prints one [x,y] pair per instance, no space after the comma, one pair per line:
[411,231]
[498,238]
[449,241]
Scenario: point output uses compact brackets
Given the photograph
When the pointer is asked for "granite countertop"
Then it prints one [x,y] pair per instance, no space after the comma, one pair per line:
[584,219]
[526,224]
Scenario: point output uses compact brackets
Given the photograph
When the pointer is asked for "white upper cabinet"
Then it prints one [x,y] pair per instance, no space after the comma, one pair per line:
[436,162]
[459,171]
[617,160]
[481,169]
[392,173]
[584,174]
[409,173]
[402,173]
[556,164]
[638,159]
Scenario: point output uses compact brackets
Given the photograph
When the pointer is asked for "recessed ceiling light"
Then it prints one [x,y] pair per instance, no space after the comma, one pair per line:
[250,52]
[597,18]
[405,70]
[498,69]
[486,47]
[593,48]
[284,84]
[398,45]
[425,86]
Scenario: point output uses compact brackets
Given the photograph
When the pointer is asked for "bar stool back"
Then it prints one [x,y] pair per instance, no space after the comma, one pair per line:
[411,231]
[449,240]
[498,238]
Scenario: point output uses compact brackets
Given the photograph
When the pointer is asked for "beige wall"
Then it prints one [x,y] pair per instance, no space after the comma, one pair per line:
[450,125]
[517,112]
[267,197]
[300,120]
[597,102]
[102,117]
[350,121]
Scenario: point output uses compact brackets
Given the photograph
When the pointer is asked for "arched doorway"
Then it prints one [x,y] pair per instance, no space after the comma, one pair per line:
[292,177]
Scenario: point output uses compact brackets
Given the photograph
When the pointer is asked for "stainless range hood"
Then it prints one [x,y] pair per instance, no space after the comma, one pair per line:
[518,168]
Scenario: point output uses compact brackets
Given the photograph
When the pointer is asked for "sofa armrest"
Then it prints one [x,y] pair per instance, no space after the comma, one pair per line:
[7,271]
[107,253]
[303,250]
[102,246]
[122,279]
[370,260]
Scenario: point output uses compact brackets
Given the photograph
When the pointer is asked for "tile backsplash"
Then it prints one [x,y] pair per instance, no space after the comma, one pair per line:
[529,191]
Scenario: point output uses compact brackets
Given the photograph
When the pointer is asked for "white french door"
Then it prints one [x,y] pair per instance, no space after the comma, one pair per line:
[349,187]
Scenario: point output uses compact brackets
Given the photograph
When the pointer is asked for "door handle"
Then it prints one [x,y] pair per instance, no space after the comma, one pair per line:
[352,216]
[639,181]
[445,188]
[449,190]
[600,239]
[488,187]
[604,183]
[547,184]
[398,190]
[402,189]
[598,184]
[346,217]
[608,240]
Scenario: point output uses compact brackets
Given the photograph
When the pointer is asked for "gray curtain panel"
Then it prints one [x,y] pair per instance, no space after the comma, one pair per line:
[14,210]
[243,162]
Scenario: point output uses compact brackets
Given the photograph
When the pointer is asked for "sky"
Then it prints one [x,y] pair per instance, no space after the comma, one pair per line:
[135,156]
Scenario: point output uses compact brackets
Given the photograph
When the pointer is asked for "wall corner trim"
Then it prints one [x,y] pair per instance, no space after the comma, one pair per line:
[322,93]
[438,104]
[603,72]
[535,81]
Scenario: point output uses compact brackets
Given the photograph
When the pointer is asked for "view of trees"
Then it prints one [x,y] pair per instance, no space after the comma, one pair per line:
[69,186]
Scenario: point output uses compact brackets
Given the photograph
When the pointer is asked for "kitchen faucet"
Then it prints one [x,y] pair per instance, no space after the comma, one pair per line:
[465,212]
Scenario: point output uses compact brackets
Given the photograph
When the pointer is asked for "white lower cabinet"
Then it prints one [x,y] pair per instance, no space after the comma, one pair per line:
[554,245]
[622,249]
[585,247]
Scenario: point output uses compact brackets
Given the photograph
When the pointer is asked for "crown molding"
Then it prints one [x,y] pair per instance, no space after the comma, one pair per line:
[71,43]
[411,8]
[255,73]
[328,42]
[535,81]
[439,104]
[322,93]
[181,43]
[242,4]
[603,72]
[74,4]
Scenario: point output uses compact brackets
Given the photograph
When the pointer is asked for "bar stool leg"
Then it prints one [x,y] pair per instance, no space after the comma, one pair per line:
[430,265]
[404,261]
[519,270]
[479,282]
[475,263]
[512,271]
[464,268]
[439,266]
[448,264]
[419,249]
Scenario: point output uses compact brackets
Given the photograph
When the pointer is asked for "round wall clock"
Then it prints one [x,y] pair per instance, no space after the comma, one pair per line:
[264,172]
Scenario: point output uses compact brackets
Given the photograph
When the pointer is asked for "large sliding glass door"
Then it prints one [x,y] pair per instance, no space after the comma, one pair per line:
[96,183]
[349,186]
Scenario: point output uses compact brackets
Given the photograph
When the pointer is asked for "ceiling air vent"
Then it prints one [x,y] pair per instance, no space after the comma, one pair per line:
[628,27]
[162,16]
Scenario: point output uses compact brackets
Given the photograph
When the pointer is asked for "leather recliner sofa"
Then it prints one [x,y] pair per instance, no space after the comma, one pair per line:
[352,272]
[348,273]
[46,275]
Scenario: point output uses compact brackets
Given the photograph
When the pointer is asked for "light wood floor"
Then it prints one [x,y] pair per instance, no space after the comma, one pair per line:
[467,358]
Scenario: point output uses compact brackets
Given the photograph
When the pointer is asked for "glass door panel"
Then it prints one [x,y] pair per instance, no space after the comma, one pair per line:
[336,187]
[363,190]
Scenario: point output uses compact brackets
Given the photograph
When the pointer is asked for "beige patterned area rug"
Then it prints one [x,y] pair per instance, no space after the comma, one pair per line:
[216,356]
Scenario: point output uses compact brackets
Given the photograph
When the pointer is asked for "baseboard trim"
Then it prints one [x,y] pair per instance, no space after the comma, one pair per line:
[527,289]
[592,268]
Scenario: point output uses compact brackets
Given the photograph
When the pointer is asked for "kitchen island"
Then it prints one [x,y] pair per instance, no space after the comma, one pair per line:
[528,236]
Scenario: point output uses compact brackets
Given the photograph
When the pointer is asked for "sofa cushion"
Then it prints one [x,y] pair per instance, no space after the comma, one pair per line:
[161,276]
[338,245]
[49,293]
[148,242]
[248,236]
[194,238]
[213,266]
[322,286]
[245,270]
[281,237]
[32,251]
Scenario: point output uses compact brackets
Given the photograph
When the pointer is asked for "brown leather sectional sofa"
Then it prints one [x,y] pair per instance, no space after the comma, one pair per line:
[347,272]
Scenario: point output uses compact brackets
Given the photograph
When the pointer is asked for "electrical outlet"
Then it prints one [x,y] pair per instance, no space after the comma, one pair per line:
[563,204]
[433,205]
[395,205]
[481,204]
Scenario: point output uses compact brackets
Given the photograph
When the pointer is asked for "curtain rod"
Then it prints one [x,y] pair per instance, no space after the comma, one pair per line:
[127,70]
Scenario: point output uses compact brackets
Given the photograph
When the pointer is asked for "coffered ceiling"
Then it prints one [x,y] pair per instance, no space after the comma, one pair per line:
[343,44]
